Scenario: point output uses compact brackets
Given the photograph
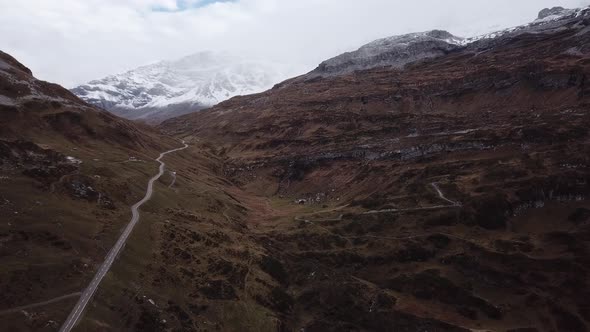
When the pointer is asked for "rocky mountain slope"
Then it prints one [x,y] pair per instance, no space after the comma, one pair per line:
[69,173]
[554,13]
[63,191]
[396,51]
[43,112]
[172,88]
[447,194]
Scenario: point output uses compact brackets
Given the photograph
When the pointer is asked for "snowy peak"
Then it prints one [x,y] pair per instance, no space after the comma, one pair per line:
[555,11]
[399,51]
[396,51]
[547,21]
[384,44]
[170,88]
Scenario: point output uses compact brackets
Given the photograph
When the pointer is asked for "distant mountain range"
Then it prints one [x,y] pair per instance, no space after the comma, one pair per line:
[399,51]
[171,88]
[168,89]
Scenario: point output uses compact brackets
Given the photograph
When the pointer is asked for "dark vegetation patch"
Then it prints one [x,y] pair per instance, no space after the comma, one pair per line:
[274,268]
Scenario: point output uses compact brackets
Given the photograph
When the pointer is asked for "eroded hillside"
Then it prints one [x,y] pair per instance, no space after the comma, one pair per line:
[68,175]
[447,195]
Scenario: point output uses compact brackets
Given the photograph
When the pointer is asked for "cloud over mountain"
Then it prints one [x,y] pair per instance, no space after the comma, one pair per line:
[94,38]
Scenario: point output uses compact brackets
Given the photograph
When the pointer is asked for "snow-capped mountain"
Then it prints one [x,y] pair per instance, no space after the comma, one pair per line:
[395,51]
[172,88]
[548,18]
[399,51]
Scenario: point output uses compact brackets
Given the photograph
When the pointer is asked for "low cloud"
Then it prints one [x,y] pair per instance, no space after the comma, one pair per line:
[74,41]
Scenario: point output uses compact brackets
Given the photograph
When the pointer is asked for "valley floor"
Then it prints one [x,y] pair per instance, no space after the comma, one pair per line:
[417,253]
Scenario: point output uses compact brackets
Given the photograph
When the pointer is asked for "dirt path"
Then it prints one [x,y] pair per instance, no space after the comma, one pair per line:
[39,304]
[114,252]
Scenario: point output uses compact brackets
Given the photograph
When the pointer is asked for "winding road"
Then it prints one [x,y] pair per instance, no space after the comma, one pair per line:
[440,194]
[114,252]
[453,204]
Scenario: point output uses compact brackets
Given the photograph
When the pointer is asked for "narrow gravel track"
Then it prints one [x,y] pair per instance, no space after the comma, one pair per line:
[114,252]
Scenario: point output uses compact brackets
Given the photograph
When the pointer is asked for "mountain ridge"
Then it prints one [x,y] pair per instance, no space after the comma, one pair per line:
[394,51]
[400,50]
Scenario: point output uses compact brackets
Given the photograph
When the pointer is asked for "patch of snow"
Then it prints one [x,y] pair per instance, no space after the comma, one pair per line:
[6,101]
[549,18]
[532,27]
[73,160]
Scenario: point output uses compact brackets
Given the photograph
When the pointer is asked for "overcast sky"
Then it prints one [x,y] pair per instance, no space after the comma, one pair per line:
[73,41]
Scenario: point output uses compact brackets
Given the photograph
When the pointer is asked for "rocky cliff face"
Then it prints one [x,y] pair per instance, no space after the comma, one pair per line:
[555,11]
